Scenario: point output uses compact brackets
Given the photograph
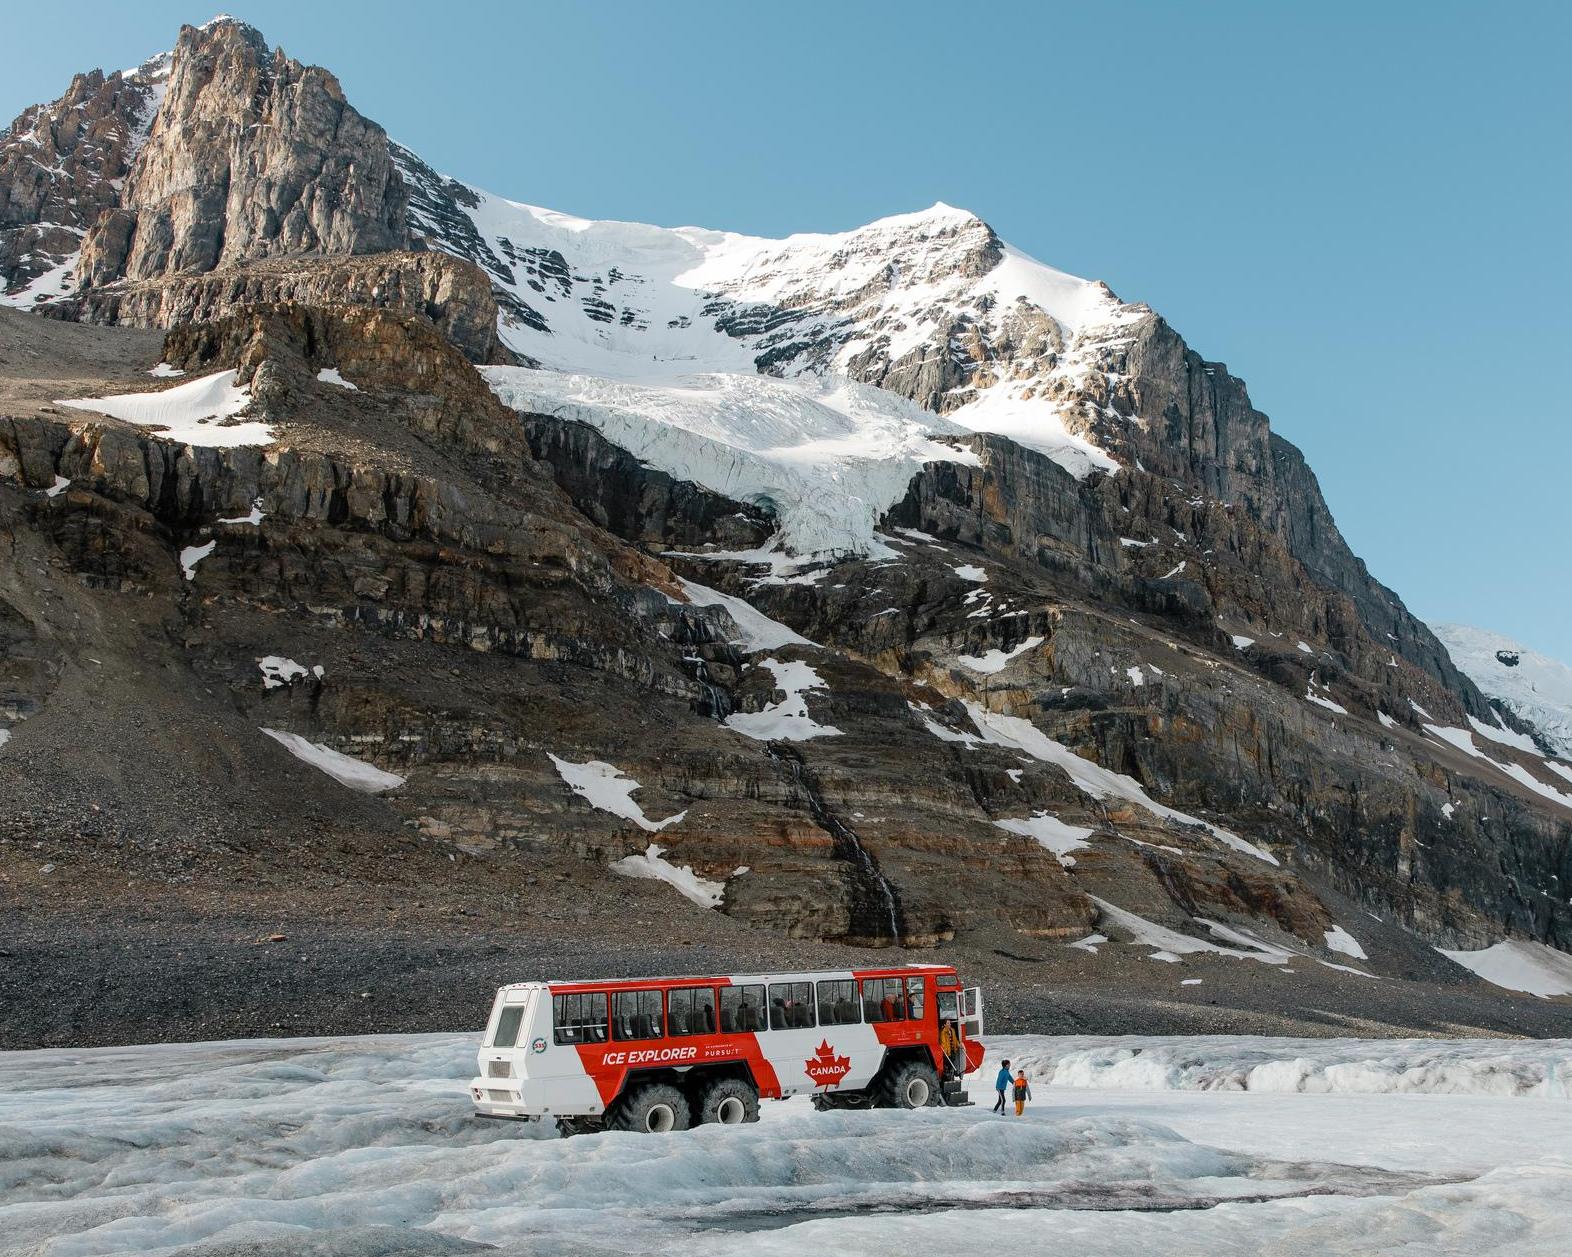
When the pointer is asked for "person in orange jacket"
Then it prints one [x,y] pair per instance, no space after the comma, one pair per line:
[1023,1093]
[950,1048]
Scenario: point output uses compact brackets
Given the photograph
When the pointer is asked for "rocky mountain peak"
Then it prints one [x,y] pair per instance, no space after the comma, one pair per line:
[251,155]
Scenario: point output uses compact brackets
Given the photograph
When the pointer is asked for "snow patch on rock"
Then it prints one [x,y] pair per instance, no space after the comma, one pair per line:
[330,375]
[787,720]
[1517,965]
[194,413]
[652,863]
[344,769]
[1051,833]
[604,787]
[1093,779]
[994,660]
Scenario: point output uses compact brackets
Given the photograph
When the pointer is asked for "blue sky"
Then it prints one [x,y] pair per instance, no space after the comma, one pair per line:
[1361,208]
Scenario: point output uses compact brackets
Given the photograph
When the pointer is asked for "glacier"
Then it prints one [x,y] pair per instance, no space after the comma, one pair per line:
[1534,687]
[367,1145]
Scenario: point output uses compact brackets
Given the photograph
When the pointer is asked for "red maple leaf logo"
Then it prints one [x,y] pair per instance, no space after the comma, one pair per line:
[825,1068]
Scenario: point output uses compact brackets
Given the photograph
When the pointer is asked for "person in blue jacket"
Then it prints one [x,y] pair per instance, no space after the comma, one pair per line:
[1002,1085]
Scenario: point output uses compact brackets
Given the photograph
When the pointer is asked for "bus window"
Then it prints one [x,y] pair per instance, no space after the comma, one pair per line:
[636,1015]
[791,1005]
[837,1003]
[691,1011]
[508,1026]
[882,999]
[915,1004]
[579,1018]
[741,1009]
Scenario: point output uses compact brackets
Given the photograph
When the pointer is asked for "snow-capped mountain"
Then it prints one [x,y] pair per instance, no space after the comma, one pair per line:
[932,306]
[926,592]
[812,373]
[1533,687]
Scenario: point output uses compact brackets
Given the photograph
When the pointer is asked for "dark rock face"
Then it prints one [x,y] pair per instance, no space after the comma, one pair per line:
[1202,430]
[635,502]
[472,623]
[251,155]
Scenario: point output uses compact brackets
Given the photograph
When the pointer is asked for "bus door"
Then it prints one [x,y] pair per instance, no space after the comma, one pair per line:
[950,1040]
[972,1027]
[972,1013]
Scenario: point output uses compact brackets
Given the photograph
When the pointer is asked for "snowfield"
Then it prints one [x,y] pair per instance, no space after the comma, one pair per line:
[366,1145]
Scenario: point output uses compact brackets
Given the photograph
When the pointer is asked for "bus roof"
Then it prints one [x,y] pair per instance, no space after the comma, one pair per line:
[779,975]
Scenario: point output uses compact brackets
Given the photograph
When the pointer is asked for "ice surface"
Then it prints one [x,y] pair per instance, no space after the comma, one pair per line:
[57,487]
[1130,1146]
[651,863]
[1518,965]
[788,720]
[1474,1067]
[345,769]
[828,459]
[604,786]
[1241,642]
[194,412]
[163,371]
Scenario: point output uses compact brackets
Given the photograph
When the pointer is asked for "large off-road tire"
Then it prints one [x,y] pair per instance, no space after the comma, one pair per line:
[910,1085]
[656,1108]
[727,1102]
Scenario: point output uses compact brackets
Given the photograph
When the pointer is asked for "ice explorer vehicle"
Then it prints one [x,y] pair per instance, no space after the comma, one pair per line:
[663,1054]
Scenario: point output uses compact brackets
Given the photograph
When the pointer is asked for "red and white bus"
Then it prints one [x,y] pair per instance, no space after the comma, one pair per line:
[662,1054]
